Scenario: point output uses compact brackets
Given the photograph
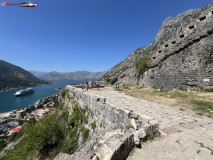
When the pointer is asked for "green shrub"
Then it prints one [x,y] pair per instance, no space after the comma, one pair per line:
[15,136]
[150,135]
[112,81]
[108,80]
[85,134]
[86,108]
[163,90]
[64,93]
[85,120]
[202,105]
[182,109]
[50,135]
[166,51]
[142,64]
[129,126]
[208,90]
[76,116]
[93,124]
[182,88]
[94,83]
[39,138]
[126,86]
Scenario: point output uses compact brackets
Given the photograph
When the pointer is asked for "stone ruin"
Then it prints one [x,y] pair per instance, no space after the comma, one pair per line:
[181,55]
[112,138]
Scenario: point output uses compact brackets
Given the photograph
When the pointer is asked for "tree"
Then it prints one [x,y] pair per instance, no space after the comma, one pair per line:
[142,64]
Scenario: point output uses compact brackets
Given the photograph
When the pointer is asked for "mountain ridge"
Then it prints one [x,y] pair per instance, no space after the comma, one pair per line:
[72,76]
[12,77]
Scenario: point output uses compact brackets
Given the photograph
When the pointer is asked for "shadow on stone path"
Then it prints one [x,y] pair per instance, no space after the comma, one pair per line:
[185,136]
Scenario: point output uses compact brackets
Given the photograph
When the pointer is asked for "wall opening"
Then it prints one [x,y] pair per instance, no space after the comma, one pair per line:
[173,42]
[181,36]
[166,45]
[209,31]
[202,18]
[212,12]
[191,27]
[159,51]
[153,57]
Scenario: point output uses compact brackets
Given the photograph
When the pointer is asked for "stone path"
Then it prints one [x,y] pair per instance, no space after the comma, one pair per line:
[185,136]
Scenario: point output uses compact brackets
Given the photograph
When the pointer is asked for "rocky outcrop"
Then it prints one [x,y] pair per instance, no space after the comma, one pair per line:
[113,136]
[181,55]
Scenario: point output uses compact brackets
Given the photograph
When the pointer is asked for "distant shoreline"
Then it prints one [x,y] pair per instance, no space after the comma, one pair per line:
[9,102]
[10,89]
[7,113]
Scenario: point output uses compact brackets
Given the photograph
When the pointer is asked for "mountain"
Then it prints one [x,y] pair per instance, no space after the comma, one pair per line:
[12,76]
[72,76]
[181,55]
[38,73]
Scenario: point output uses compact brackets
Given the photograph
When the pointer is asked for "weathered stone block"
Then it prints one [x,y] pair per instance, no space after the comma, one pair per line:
[113,140]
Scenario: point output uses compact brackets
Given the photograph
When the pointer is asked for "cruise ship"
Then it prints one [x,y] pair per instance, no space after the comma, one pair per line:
[24,92]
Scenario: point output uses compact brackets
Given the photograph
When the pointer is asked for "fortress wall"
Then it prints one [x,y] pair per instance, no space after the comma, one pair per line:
[110,139]
[181,61]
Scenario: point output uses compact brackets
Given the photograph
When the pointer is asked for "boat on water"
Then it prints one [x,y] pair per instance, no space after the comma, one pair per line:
[24,92]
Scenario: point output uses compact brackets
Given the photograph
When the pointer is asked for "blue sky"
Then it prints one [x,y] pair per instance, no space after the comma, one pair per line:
[71,35]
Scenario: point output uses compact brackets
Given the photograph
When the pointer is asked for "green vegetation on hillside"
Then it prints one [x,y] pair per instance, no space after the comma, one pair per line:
[12,76]
[57,132]
[142,64]
[112,81]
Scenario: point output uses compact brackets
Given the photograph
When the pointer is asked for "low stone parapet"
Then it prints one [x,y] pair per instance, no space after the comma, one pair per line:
[117,130]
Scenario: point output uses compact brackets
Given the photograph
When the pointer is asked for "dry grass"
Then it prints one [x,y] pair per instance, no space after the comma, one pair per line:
[200,102]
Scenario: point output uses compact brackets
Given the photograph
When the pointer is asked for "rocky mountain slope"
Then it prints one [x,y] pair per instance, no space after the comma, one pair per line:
[72,76]
[181,55]
[38,73]
[12,76]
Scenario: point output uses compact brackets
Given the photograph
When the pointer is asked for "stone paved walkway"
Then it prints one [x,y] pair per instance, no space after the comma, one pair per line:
[185,136]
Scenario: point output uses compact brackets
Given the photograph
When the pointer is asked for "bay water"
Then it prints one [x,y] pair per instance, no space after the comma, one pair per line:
[9,102]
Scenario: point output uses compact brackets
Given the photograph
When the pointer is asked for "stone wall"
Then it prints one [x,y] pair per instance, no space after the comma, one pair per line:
[181,62]
[187,65]
[181,55]
[111,139]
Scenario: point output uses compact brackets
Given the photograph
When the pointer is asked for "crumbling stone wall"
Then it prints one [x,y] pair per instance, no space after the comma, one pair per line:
[112,138]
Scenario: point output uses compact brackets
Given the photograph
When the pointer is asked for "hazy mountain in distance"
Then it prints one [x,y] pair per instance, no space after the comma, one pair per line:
[72,76]
[38,73]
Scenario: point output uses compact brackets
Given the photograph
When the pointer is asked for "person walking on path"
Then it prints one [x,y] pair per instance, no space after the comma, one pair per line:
[117,85]
[97,82]
[90,85]
[87,85]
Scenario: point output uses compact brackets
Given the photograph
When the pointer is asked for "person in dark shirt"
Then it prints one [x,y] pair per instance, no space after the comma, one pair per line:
[97,82]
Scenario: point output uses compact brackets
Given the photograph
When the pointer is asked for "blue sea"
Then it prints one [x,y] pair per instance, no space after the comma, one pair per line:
[9,102]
